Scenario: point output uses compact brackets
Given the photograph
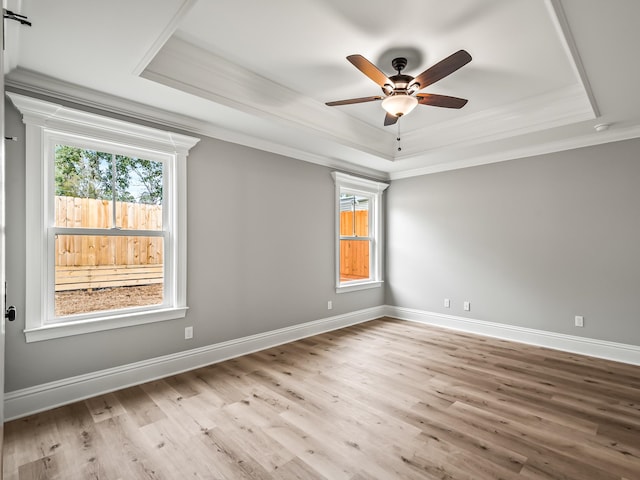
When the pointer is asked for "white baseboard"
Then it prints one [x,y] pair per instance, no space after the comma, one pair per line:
[618,352]
[42,397]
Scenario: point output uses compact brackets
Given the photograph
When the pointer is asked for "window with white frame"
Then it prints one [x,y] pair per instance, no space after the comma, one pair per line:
[106,221]
[358,232]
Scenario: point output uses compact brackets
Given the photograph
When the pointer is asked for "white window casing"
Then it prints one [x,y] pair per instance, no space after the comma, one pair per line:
[48,123]
[373,190]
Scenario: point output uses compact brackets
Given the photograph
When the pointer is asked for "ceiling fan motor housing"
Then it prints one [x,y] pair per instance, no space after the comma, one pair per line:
[400,82]
[400,85]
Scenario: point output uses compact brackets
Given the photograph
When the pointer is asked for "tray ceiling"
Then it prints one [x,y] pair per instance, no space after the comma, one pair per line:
[259,73]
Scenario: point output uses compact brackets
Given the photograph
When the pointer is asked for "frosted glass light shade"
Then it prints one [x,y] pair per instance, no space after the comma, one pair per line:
[400,104]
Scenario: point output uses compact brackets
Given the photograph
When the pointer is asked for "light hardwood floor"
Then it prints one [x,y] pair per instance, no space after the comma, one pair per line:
[385,399]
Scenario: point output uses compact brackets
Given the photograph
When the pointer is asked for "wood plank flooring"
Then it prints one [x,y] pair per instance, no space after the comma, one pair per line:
[385,399]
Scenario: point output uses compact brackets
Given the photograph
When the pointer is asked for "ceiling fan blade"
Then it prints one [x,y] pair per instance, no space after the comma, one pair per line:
[441,100]
[390,119]
[369,69]
[442,69]
[353,100]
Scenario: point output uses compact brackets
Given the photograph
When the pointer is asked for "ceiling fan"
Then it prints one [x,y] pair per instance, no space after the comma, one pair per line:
[400,91]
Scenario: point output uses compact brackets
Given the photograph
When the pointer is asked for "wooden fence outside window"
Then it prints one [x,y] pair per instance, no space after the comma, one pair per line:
[100,261]
[354,254]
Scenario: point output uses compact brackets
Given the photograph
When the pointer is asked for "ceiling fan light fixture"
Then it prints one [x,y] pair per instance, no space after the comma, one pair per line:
[399,104]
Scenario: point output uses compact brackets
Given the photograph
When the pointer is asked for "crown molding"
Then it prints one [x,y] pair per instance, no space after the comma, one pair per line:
[57,117]
[570,143]
[554,109]
[25,81]
[35,84]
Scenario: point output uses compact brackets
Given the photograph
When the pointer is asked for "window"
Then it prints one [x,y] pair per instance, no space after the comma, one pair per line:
[108,247]
[106,222]
[358,232]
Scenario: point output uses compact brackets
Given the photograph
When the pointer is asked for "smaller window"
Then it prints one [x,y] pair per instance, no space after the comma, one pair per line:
[359,232]
[355,240]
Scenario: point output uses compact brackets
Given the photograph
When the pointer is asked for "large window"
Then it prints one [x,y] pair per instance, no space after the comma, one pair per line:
[106,222]
[358,232]
[108,231]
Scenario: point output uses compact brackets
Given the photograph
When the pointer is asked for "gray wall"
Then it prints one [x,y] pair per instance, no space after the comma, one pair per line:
[530,242]
[260,257]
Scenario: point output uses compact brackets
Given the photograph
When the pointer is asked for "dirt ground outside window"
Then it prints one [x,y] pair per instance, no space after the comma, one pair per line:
[82,301]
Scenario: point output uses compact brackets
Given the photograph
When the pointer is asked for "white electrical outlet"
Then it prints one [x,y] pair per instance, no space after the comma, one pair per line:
[447,303]
[329,305]
[579,320]
[467,306]
[188,333]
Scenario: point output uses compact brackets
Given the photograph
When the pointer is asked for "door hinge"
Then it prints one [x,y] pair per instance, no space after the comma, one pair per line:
[16,16]
[10,313]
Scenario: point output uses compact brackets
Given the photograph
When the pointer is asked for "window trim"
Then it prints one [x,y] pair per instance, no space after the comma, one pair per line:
[374,190]
[45,121]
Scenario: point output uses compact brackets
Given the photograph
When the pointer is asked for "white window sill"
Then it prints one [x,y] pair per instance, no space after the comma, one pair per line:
[354,286]
[110,322]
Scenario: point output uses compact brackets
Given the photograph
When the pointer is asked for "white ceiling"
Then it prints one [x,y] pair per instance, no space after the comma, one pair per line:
[543,74]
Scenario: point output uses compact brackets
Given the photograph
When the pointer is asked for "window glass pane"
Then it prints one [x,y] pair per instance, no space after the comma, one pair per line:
[362,216]
[82,188]
[140,187]
[138,216]
[86,182]
[346,214]
[354,215]
[354,260]
[102,273]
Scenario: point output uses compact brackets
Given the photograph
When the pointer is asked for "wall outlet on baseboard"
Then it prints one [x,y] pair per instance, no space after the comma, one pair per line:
[188,333]
[467,306]
[447,303]
[579,321]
